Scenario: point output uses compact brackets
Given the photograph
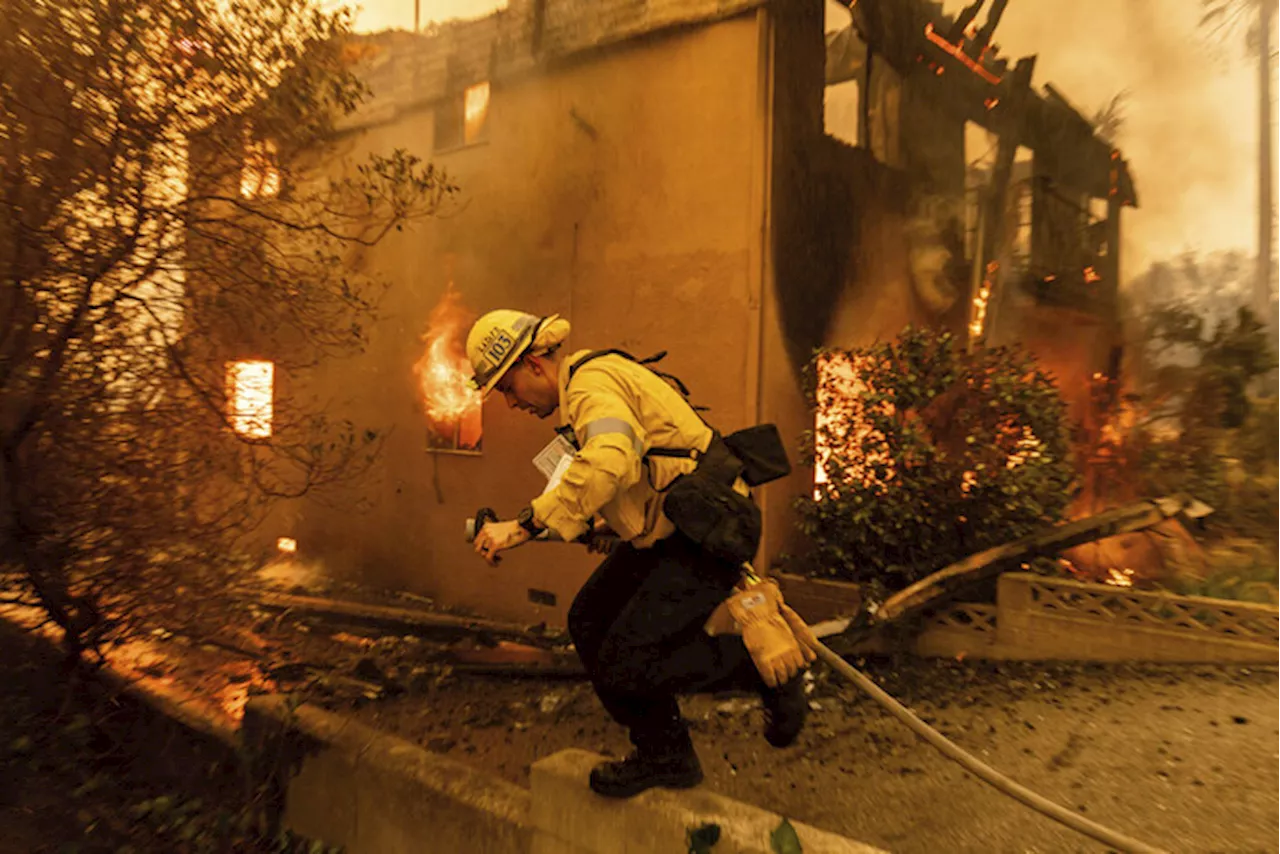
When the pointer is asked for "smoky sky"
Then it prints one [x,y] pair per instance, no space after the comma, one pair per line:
[1191,127]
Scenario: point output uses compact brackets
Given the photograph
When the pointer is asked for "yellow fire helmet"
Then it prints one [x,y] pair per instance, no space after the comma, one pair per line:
[497,341]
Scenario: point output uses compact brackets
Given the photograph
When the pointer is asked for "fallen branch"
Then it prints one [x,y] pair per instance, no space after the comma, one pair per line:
[399,620]
[987,564]
[946,583]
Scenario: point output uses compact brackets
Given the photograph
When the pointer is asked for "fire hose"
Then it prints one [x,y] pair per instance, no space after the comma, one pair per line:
[948,748]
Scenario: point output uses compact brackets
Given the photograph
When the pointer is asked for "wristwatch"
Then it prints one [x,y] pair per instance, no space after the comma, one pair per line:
[525,519]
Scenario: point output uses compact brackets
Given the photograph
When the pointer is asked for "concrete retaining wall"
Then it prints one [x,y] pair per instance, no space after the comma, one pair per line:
[347,784]
[350,785]
[569,819]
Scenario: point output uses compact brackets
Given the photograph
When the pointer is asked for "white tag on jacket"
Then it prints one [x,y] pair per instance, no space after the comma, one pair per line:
[554,458]
[560,469]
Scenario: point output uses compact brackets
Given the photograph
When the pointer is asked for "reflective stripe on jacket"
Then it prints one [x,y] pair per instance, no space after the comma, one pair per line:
[619,409]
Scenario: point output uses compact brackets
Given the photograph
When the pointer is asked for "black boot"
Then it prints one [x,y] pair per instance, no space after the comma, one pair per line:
[785,708]
[667,761]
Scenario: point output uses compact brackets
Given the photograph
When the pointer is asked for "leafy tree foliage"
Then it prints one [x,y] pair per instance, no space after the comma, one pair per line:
[166,205]
[1199,429]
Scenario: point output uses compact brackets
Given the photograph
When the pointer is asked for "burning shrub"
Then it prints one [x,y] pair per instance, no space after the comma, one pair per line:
[924,453]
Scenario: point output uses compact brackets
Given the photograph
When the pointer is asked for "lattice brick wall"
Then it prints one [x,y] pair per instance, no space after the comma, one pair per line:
[1214,617]
[964,616]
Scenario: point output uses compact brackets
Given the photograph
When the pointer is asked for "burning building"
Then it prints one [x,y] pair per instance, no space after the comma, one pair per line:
[728,180]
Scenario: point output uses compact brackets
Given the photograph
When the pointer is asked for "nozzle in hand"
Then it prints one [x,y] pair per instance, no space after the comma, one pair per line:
[474,525]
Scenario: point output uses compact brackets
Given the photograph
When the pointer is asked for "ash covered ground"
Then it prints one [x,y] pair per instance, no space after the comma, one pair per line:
[1182,757]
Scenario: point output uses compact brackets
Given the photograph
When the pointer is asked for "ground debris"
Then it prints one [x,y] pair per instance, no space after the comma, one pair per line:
[390,619]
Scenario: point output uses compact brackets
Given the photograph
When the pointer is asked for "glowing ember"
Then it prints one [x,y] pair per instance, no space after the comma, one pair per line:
[990,103]
[1091,275]
[1119,577]
[1026,448]
[287,545]
[249,389]
[842,420]
[979,321]
[444,374]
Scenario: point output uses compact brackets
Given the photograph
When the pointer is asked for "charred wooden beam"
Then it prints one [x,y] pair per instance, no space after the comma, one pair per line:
[963,19]
[994,236]
[400,620]
[983,38]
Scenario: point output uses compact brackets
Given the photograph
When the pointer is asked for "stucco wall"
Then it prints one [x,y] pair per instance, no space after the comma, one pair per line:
[621,190]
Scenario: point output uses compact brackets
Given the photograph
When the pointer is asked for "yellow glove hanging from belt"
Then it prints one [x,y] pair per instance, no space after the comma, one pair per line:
[779,642]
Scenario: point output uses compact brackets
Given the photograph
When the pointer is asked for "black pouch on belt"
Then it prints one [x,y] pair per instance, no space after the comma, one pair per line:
[705,508]
[763,456]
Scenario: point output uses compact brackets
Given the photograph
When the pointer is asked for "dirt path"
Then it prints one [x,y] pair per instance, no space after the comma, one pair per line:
[1183,758]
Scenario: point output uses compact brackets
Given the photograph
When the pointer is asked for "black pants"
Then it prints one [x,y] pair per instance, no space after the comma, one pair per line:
[637,625]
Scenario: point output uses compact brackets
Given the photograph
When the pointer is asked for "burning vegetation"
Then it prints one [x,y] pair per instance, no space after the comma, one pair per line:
[925,452]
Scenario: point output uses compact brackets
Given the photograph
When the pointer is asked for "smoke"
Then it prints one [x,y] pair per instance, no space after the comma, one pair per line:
[1190,125]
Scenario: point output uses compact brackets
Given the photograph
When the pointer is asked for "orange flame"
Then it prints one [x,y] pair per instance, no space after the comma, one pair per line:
[842,417]
[444,373]
[978,323]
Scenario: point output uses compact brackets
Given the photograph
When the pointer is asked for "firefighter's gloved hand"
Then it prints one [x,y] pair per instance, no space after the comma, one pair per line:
[808,640]
[769,640]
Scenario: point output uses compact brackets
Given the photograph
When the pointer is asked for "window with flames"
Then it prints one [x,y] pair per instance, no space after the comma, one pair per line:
[250,393]
[451,405]
[463,119]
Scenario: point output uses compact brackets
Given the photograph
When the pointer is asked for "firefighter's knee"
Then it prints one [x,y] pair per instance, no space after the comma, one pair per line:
[624,668]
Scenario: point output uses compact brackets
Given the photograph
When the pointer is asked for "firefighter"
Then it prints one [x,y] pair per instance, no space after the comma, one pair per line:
[638,621]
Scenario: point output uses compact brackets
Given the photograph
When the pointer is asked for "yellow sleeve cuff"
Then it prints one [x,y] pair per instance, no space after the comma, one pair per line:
[549,512]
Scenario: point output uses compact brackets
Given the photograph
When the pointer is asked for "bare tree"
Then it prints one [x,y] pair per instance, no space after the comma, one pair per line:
[165,207]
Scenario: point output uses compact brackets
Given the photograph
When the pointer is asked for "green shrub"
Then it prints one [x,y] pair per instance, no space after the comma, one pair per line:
[1259,437]
[1186,463]
[930,454]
